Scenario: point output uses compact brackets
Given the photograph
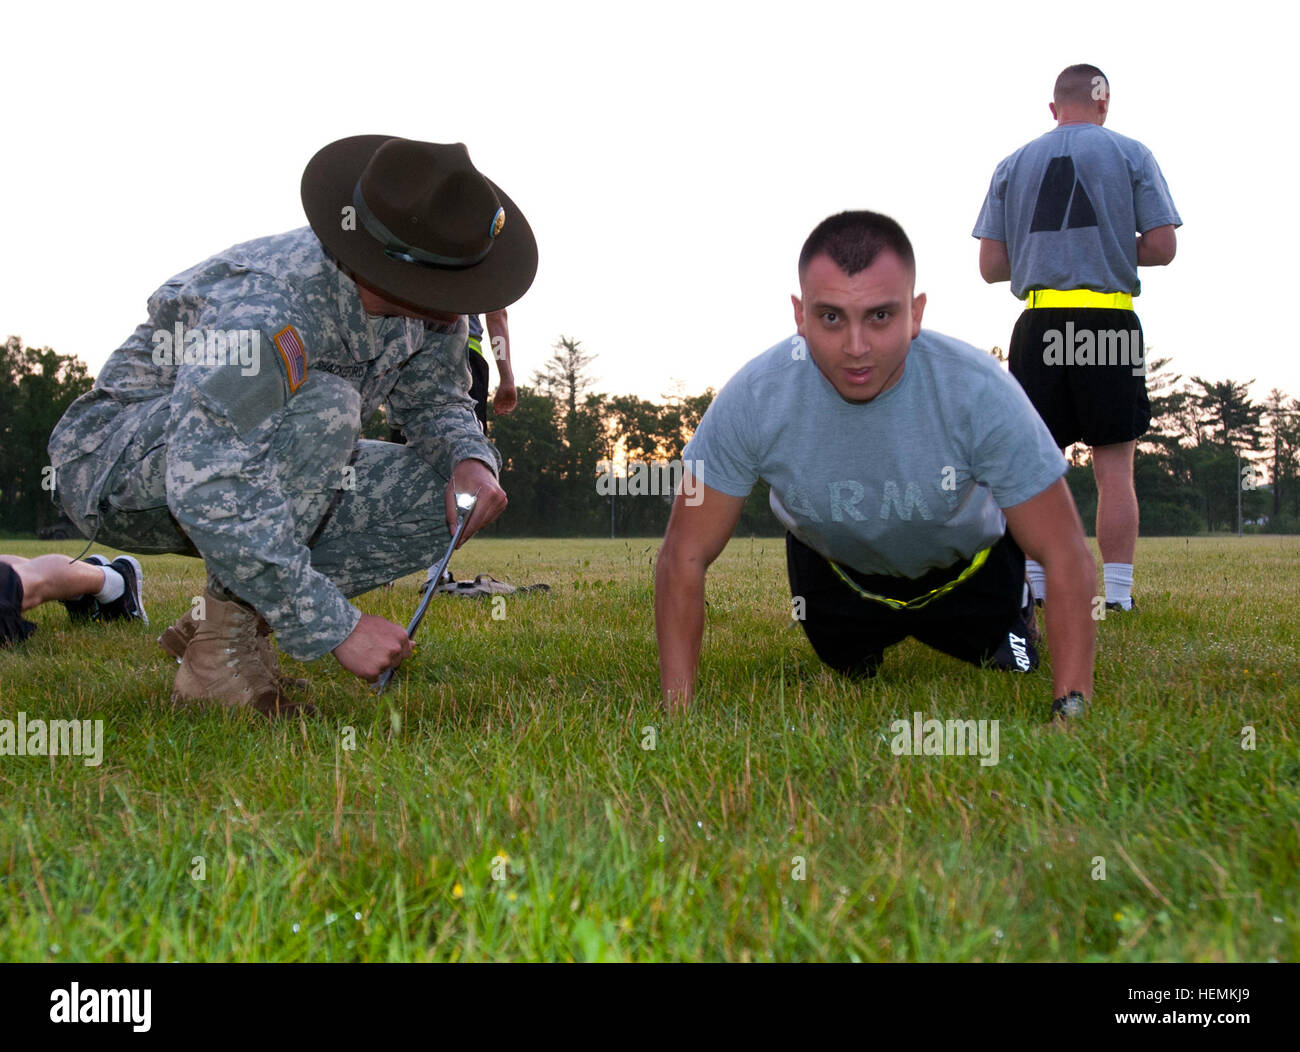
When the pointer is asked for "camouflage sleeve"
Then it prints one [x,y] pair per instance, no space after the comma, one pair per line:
[431,403]
[225,490]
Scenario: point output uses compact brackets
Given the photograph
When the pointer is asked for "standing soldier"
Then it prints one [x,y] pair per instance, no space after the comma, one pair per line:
[1068,220]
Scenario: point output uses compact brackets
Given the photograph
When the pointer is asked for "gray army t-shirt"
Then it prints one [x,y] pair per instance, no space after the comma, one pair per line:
[1069,206]
[912,480]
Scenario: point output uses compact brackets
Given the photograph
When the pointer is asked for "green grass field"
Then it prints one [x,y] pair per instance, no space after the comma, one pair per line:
[498,803]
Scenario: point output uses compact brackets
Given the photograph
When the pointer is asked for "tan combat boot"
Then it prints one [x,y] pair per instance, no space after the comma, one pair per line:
[223,662]
[177,637]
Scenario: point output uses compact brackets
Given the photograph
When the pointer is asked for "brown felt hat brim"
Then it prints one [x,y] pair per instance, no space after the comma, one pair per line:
[496,282]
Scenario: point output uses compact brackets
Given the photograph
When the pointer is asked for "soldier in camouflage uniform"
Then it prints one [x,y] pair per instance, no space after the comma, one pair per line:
[227,425]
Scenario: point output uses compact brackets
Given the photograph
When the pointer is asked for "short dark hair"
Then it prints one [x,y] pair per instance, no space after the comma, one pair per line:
[1075,84]
[853,240]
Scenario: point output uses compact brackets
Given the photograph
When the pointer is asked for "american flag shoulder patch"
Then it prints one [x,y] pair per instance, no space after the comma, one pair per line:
[294,353]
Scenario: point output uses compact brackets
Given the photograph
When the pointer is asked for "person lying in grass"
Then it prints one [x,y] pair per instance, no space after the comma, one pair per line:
[92,590]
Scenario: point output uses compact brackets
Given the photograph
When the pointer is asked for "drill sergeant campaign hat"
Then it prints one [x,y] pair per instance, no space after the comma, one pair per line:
[419,223]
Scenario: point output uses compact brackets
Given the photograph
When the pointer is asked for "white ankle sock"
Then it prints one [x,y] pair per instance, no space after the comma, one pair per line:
[1119,583]
[1037,579]
[113,588]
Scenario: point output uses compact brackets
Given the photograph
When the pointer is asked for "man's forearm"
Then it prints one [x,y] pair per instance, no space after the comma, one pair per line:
[499,340]
[1071,630]
[443,442]
[679,626]
[431,404]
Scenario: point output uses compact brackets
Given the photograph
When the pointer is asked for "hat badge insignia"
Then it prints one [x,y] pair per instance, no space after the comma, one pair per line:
[498,221]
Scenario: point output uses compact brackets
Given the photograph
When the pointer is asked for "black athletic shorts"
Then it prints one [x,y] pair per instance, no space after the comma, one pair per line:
[13,629]
[478,388]
[1101,402]
[981,621]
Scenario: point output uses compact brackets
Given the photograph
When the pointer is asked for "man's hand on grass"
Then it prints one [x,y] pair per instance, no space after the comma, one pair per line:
[375,645]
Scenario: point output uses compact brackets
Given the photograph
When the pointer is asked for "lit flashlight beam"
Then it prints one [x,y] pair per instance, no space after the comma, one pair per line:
[464,505]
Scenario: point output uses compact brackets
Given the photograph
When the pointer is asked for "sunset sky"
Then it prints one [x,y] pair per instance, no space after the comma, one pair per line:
[670,158]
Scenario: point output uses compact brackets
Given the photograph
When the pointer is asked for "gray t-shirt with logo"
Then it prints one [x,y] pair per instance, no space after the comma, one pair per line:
[913,480]
[1069,206]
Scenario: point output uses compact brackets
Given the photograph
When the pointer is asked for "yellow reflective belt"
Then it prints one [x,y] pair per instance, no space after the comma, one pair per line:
[476,345]
[921,600]
[1078,298]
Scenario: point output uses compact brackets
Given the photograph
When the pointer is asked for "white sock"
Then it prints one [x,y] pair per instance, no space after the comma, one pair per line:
[1119,584]
[1037,579]
[113,588]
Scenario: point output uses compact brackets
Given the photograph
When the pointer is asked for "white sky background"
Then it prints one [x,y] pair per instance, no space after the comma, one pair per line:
[671,159]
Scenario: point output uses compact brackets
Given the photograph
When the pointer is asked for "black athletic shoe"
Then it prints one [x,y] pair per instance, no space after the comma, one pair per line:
[86,607]
[1016,653]
[13,629]
[1116,606]
[129,605]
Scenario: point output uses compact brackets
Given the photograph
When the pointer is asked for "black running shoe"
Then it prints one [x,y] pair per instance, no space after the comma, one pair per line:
[1017,651]
[86,607]
[1117,606]
[129,605]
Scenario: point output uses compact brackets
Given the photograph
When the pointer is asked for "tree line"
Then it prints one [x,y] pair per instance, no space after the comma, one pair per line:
[1211,449]
[36,386]
[1212,459]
